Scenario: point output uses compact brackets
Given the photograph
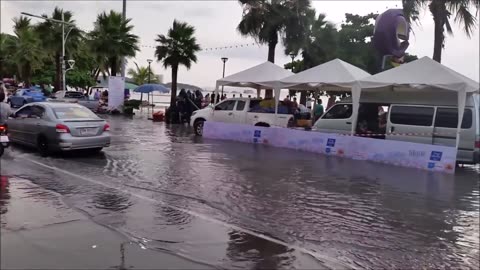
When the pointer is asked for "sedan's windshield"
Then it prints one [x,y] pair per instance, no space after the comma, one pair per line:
[73,113]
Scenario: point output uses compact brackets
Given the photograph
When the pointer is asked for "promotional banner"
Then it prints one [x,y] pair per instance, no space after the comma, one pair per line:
[398,153]
[116,92]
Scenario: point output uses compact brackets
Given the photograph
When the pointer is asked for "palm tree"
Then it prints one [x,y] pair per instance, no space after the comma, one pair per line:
[269,20]
[7,66]
[25,48]
[141,75]
[442,11]
[51,33]
[177,48]
[111,39]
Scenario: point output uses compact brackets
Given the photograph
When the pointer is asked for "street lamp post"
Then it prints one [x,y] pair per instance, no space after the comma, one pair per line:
[124,15]
[149,72]
[292,55]
[64,39]
[224,60]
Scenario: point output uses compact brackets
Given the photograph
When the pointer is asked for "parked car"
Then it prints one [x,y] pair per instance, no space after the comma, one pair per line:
[24,96]
[58,126]
[238,110]
[75,97]
[426,118]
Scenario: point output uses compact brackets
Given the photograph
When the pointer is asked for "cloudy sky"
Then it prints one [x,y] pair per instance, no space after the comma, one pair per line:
[216,22]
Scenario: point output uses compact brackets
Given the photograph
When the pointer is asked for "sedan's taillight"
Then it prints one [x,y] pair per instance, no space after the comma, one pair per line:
[62,129]
[477,144]
[106,127]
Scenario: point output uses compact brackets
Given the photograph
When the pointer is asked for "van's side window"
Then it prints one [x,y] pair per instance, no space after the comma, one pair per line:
[339,111]
[412,115]
[448,118]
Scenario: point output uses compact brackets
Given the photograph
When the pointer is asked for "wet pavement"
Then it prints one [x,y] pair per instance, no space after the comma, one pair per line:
[185,202]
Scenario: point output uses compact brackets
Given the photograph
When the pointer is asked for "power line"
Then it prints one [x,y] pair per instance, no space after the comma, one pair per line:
[214,48]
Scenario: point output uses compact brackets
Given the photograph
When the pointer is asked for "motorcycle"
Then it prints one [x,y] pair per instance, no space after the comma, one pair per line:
[3,138]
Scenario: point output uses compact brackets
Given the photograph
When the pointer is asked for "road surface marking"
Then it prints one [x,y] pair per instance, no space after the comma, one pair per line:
[327,261]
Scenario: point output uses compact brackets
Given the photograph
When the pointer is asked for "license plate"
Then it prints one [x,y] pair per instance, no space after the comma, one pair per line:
[87,131]
[3,139]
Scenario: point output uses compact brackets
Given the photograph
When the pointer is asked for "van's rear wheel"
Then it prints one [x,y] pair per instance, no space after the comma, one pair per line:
[198,127]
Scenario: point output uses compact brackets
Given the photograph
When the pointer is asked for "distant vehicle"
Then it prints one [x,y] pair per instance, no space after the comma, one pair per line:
[58,126]
[241,111]
[424,119]
[24,96]
[75,97]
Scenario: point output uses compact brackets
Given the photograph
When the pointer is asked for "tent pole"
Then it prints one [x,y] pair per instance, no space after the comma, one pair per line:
[462,96]
[356,92]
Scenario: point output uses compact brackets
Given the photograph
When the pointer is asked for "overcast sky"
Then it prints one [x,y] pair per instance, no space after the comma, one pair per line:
[215,23]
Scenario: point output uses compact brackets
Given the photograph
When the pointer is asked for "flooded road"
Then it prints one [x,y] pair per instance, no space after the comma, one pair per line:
[233,205]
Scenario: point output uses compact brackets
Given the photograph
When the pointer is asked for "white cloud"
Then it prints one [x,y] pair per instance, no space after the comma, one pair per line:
[216,22]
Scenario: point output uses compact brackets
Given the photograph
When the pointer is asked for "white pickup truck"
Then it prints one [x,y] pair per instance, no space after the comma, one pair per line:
[238,110]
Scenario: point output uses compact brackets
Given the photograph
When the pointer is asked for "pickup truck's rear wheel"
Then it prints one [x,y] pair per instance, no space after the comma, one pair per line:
[261,124]
[198,127]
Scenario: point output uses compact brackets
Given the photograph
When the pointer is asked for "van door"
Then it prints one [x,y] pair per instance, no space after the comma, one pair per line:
[445,129]
[410,123]
[338,119]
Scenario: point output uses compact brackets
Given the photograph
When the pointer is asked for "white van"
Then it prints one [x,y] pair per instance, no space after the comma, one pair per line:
[429,119]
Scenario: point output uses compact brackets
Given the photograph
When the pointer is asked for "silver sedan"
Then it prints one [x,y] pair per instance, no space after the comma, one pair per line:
[58,126]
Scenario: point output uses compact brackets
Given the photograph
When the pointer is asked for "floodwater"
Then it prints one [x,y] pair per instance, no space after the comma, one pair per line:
[233,205]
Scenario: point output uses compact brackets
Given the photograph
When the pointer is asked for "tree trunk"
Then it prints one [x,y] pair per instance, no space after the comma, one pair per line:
[113,66]
[271,58]
[173,96]
[58,73]
[439,12]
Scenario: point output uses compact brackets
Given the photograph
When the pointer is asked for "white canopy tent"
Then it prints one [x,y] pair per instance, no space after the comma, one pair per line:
[423,74]
[263,76]
[336,75]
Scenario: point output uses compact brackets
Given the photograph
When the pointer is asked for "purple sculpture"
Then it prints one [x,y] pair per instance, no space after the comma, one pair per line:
[391,34]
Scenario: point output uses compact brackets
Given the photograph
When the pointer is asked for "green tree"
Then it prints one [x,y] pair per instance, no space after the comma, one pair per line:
[25,48]
[269,21]
[7,66]
[140,75]
[442,11]
[51,37]
[111,39]
[177,48]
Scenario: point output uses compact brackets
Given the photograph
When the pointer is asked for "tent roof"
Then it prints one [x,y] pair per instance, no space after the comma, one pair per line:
[421,73]
[335,72]
[265,75]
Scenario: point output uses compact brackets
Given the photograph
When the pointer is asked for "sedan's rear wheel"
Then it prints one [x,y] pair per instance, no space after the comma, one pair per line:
[42,146]
[198,127]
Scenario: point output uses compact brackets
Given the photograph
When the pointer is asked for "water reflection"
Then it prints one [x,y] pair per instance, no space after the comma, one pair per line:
[247,251]
[4,195]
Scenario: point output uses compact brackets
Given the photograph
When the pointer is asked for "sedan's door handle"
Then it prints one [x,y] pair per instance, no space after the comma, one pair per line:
[349,123]
[230,113]
[392,129]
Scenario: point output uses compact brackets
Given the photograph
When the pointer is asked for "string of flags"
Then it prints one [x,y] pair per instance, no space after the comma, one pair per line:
[214,48]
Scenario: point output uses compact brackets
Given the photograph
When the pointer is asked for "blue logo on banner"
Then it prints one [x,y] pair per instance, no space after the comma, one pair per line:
[331,142]
[436,156]
[327,150]
[257,133]
[431,165]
